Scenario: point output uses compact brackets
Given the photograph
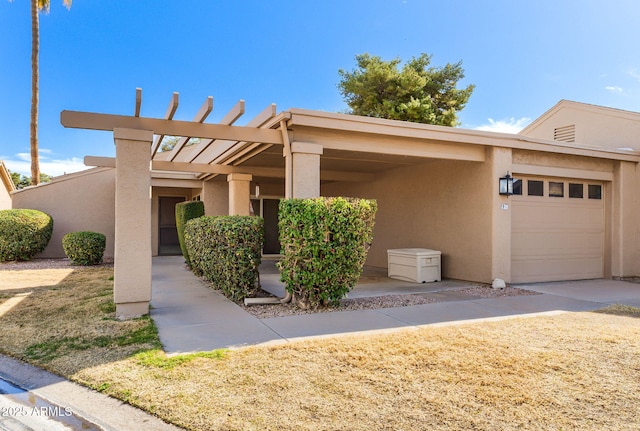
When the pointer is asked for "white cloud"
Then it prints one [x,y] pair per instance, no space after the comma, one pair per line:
[51,167]
[23,156]
[614,89]
[510,125]
[634,74]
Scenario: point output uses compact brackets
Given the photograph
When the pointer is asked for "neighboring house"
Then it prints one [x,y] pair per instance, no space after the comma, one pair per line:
[575,215]
[6,187]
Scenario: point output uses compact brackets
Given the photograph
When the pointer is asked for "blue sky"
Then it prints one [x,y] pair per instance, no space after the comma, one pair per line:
[523,57]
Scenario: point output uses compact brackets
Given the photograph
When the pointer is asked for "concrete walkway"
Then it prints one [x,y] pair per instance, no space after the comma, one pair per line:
[192,317]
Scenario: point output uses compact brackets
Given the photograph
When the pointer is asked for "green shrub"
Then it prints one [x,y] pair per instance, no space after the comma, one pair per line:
[325,243]
[84,248]
[227,250]
[23,233]
[186,211]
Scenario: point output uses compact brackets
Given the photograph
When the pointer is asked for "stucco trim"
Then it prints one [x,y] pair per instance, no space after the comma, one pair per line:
[6,178]
[550,171]
[373,127]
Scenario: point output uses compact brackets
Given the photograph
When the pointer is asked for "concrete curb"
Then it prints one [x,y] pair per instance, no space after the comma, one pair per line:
[105,412]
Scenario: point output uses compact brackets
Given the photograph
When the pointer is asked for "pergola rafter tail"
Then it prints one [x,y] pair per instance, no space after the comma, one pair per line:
[110,122]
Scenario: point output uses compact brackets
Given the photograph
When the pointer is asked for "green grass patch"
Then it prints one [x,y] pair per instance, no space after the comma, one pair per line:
[621,310]
[158,359]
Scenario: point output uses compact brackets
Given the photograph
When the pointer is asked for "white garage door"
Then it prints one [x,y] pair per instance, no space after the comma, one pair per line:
[558,230]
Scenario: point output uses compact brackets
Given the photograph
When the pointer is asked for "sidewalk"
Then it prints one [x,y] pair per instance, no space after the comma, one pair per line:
[193,317]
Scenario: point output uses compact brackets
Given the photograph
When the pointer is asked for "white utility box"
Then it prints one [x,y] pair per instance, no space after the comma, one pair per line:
[418,265]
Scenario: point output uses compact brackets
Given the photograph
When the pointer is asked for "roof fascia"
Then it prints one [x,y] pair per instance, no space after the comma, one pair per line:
[403,129]
[6,178]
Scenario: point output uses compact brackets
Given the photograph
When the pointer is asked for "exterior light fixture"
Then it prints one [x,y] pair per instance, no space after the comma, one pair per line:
[506,185]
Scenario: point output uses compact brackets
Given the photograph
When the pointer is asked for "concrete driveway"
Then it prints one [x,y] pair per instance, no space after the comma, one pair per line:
[601,291]
[193,317]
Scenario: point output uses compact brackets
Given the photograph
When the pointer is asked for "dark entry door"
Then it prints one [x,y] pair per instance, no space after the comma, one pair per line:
[271,232]
[268,209]
[168,243]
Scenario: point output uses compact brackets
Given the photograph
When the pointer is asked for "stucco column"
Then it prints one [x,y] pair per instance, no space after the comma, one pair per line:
[239,194]
[305,169]
[215,195]
[500,161]
[624,230]
[132,249]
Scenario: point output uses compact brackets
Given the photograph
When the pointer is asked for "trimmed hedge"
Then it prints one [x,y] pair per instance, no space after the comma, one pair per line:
[84,248]
[325,243]
[23,233]
[227,250]
[186,211]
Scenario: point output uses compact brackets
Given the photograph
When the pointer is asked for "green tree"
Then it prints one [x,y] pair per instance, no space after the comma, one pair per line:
[36,7]
[22,181]
[418,92]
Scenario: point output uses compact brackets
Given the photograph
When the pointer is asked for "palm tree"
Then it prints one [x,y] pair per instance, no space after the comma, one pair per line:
[36,7]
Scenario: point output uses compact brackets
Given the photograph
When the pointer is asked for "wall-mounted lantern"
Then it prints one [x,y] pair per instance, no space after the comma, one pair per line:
[506,185]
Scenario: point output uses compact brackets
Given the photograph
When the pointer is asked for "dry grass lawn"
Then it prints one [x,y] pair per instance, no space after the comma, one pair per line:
[564,372]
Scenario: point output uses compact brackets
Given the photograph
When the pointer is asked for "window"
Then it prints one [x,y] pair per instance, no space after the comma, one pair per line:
[517,187]
[535,188]
[556,190]
[576,190]
[595,191]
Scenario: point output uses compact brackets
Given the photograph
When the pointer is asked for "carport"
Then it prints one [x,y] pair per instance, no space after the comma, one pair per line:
[437,187]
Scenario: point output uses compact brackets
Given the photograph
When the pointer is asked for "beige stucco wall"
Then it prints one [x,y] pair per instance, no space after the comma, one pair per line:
[77,202]
[603,127]
[5,198]
[565,161]
[443,205]
[215,195]
[624,224]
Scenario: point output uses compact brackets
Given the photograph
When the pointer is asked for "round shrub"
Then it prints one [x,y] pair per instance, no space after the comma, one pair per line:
[84,248]
[23,233]
[325,242]
[227,250]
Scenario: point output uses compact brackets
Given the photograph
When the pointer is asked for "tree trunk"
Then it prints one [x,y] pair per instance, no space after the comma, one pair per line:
[35,45]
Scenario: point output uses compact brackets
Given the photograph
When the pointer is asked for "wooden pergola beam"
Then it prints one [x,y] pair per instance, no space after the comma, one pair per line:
[201,115]
[136,112]
[109,122]
[171,111]
[257,171]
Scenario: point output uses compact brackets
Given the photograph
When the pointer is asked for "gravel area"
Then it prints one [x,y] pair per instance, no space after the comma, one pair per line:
[388,301]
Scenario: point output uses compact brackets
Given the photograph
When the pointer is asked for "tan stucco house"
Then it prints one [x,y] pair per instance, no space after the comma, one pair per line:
[574,213]
[6,187]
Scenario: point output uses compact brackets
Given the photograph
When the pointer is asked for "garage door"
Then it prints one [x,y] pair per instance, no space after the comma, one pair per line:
[558,229]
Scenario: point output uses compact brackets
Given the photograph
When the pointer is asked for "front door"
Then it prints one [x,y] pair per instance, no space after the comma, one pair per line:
[268,209]
[168,243]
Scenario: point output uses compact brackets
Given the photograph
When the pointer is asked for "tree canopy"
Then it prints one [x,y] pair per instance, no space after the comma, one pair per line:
[418,92]
[22,181]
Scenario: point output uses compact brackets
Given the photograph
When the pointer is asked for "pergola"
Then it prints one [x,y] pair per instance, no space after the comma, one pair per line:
[221,150]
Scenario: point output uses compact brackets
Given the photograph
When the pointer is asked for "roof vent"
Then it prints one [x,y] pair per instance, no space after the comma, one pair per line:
[565,134]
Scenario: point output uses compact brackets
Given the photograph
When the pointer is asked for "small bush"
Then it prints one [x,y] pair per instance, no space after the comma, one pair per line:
[227,250]
[84,248]
[325,243]
[186,211]
[23,233]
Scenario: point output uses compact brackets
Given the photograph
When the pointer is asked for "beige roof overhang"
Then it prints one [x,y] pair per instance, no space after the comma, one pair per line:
[311,124]
[355,148]
[5,176]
